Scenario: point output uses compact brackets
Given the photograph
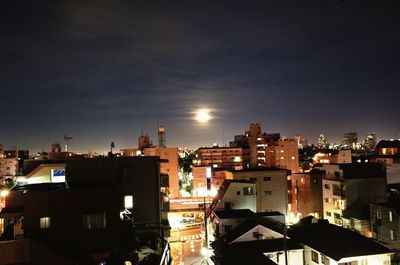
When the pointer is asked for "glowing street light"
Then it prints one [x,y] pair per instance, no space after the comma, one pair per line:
[4,193]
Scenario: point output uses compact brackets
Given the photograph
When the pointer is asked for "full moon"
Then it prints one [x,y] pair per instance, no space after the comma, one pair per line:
[202,115]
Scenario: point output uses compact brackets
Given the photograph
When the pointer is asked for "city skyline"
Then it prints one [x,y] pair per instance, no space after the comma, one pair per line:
[103,72]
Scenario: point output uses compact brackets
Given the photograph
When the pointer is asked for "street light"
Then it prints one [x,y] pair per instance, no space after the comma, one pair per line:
[4,193]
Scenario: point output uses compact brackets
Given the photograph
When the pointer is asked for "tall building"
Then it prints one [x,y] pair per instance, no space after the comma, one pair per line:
[305,195]
[350,140]
[370,141]
[347,193]
[169,166]
[201,180]
[281,154]
[251,142]
[322,142]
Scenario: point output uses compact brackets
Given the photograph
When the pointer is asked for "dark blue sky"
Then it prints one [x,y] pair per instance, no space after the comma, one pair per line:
[102,71]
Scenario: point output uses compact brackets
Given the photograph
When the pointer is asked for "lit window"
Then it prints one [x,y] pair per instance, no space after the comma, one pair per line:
[128,202]
[248,191]
[45,222]
[94,221]
[390,216]
[378,214]
[392,235]
[237,159]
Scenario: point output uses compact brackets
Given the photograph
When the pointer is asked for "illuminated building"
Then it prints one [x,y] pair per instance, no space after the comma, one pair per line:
[305,195]
[201,177]
[389,155]
[219,157]
[235,194]
[251,142]
[346,191]
[282,154]
[169,166]
[325,243]
[333,157]
[388,147]
[370,141]
[271,187]
[322,142]
[350,140]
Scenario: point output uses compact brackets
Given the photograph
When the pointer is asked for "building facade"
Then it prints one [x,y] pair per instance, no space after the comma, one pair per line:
[271,188]
[219,157]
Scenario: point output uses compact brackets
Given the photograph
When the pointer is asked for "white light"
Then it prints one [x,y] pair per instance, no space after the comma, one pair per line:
[4,193]
[203,115]
[128,202]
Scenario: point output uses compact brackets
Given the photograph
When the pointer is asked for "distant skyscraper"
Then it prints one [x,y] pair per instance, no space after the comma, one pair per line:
[370,141]
[301,142]
[322,142]
[350,140]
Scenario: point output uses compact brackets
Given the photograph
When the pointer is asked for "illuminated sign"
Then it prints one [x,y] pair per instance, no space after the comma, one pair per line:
[58,175]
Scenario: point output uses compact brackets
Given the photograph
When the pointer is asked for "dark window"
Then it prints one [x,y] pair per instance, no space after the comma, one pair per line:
[228,228]
[328,214]
[94,221]
[327,186]
[290,198]
[248,191]
[325,260]
[267,178]
[268,192]
[337,216]
[314,256]
[253,179]
[289,184]
[238,192]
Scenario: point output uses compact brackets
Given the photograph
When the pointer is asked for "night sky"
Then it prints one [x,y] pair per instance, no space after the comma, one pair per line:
[103,71]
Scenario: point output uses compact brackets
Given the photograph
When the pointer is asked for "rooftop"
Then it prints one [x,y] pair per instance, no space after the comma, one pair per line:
[334,241]
[363,170]
[241,213]
[388,144]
